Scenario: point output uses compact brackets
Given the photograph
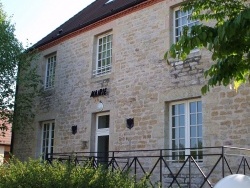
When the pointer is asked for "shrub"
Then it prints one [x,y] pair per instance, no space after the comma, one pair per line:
[37,174]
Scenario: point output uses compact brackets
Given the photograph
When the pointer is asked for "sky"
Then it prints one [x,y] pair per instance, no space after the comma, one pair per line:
[34,19]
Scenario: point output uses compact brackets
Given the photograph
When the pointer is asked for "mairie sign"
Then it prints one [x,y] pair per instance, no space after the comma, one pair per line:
[99,92]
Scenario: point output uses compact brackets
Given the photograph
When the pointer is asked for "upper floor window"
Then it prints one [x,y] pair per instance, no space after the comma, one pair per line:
[182,19]
[50,72]
[186,129]
[104,55]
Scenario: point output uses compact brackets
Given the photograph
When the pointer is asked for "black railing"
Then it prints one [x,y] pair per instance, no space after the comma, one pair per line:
[160,167]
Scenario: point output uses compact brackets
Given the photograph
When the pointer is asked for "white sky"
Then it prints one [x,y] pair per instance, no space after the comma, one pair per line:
[34,19]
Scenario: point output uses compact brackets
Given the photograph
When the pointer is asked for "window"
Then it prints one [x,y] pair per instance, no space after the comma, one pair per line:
[181,19]
[47,138]
[186,129]
[50,72]
[104,55]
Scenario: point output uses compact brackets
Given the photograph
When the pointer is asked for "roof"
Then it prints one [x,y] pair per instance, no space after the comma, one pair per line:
[5,140]
[95,12]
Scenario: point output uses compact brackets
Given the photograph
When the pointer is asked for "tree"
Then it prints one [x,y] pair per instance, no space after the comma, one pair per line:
[14,59]
[228,40]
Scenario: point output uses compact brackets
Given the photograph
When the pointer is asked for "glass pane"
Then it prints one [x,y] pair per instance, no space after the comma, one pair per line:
[99,63]
[182,155]
[184,21]
[174,155]
[193,119]
[177,22]
[100,49]
[173,134]
[193,131]
[193,143]
[199,120]
[103,62]
[103,149]
[199,106]
[177,123]
[174,144]
[104,47]
[103,122]
[104,40]
[103,55]
[200,131]
[174,110]
[181,109]
[192,107]
[108,61]
[182,144]
[183,13]
[108,53]
[173,122]
[182,132]
[182,120]
[200,144]
[194,153]
[177,13]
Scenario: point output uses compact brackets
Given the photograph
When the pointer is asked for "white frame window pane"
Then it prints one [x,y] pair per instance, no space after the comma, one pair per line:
[186,129]
[181,19]
[50,72]
[104,55]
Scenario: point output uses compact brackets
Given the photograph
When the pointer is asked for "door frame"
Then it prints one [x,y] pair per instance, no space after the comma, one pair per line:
[100,132]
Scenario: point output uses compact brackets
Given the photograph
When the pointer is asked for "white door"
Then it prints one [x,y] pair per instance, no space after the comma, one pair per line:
[102,137]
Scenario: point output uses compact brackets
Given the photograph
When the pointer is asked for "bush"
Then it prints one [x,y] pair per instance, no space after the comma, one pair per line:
[37,174]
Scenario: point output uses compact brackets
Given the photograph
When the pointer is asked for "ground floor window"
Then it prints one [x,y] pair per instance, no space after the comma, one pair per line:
[48,128]
[186,129]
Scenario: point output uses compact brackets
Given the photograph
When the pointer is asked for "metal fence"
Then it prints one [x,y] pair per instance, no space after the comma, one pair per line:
[164,169]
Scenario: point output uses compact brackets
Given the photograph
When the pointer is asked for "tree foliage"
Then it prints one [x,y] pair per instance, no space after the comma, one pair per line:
[228,40]
[13,58]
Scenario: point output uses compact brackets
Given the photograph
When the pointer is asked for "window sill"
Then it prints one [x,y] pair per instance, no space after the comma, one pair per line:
[193,54]
[48,91]
[101,77]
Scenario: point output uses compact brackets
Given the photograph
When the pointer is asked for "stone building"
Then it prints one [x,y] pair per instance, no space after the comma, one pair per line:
[103,72]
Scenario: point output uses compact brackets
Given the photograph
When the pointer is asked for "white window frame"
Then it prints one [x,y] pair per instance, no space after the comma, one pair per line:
[106,67]
[187,128]
[48,137]
[50,71]
[189,22]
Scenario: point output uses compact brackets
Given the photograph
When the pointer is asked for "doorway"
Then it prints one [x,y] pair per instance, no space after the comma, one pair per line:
[102,138]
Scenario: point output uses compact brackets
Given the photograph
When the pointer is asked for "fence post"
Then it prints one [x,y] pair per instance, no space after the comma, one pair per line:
[223,158]
[189,171]
[161,158]
[135,168]
[244,165]
[112,160]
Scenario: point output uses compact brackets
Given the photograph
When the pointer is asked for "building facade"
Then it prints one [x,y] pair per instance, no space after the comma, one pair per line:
[103,72]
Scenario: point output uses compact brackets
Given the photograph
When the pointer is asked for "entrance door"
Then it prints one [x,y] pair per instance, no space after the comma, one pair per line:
[102,137]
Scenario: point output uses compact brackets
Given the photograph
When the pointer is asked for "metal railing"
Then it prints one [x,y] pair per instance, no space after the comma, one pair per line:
[159,167]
